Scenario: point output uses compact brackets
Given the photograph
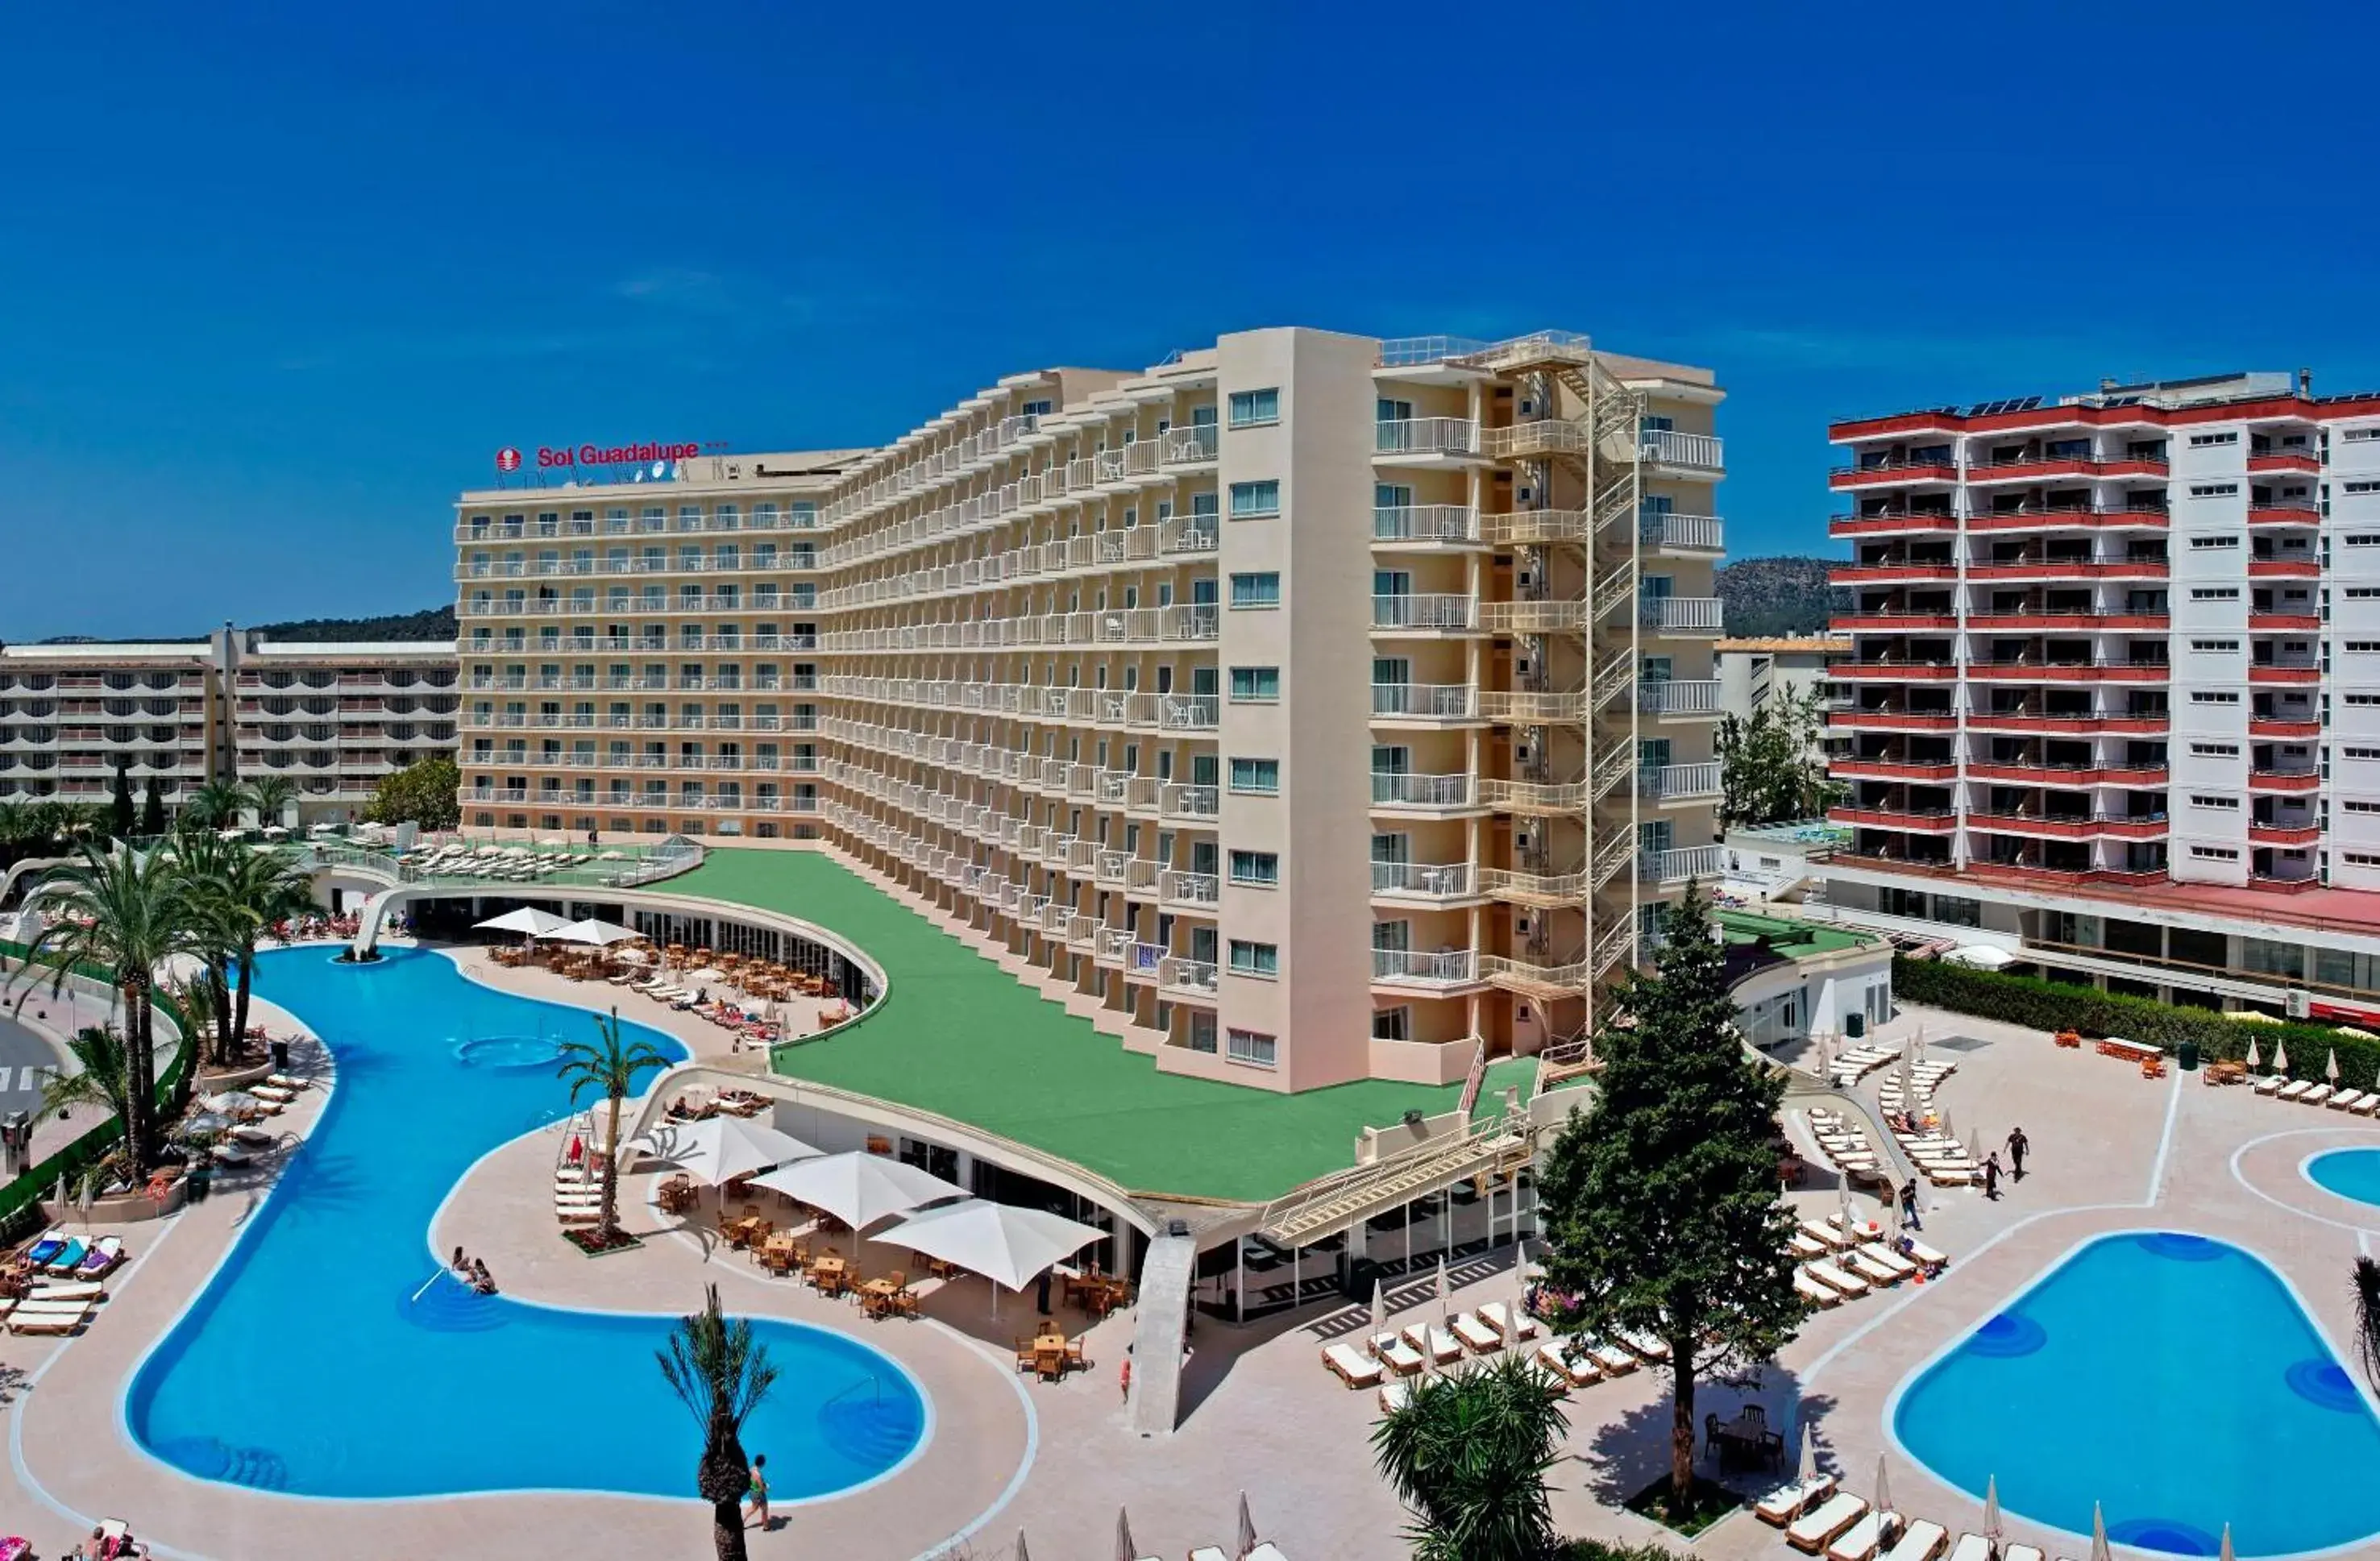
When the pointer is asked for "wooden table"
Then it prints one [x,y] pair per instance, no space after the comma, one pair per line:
[828,1273]
[1050,1355]
[739,1232]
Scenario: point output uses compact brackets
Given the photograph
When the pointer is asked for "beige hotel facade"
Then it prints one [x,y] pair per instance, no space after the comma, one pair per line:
[1305,707]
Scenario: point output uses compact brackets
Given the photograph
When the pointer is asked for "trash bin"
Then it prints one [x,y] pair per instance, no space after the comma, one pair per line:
[281,1057]
[2187,1055]
[1855,1026]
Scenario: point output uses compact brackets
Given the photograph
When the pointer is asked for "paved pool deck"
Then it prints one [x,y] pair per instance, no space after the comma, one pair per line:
[961,1036]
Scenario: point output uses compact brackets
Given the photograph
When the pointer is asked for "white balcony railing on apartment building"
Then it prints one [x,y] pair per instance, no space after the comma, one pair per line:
[1424,613]
[1450,967]
[1428,701]
[1680,615]
[1427,881]
[1425,436]
[1678,863]
[1699,533]
[1684,696]
[1678,782]
[1670,447]
[1421,791]
[1426,522]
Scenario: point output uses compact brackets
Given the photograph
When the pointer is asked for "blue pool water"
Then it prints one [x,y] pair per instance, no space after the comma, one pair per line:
[2351,1173]
[2174,1379]
[314,1364]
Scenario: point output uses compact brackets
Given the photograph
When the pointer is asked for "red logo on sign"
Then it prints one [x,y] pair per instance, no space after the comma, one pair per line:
[508,459]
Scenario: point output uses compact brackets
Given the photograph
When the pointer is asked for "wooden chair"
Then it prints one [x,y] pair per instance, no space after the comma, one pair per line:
[1026,1359]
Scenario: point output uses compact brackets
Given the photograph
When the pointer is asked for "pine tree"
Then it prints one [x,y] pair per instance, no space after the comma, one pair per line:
[152,811]
[120,817]
[1659,1205]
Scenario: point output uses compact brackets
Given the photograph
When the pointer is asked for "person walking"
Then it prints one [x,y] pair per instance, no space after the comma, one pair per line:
[1042,1293]
[756,1495]
[2017,1145]
[1992,1175]
[1909,1206]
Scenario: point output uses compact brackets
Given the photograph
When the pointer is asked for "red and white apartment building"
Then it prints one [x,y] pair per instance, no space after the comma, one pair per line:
[2113,699]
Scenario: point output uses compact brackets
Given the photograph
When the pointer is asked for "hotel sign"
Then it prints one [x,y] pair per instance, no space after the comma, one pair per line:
[551,457]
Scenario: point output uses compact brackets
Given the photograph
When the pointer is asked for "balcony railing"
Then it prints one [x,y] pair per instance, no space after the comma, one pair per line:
[1427,881]
[1195,889]
[1425,436]
[1680,615]
[1433,701]
[1426,522]
[1421,791]
[1189,976]
[1677,864]
[1696,697]
[1188,446]
[1677,782]
[1450,968]
[1424,613]
[1670,447]
[1696,532]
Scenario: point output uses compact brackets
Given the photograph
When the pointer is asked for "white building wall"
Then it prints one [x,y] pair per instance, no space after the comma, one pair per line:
[2350,539]
[2207,546]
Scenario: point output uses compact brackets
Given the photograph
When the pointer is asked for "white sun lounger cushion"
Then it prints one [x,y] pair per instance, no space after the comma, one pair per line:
[22,1322]
[2297,1089]
[1878,1252]
[1578,1367]
[1923,1541]
[1834,1279]
[1401,1357]
[2021,1553]
[1808,1246]
[79,1291]
[2270,1084]
[1267,1551]
[1868,1268]
[1785,1503]
[1505,1321]
[1433,1341]
[1811,1290]
[1814,1528]
[2318,1096]
[1862,1539]
[2346,1100]
[1610,1356]
[1354,1370]
[1924,1253]
[1394,1395]
[1476,1334]
[1971,1547]
[1639,1342]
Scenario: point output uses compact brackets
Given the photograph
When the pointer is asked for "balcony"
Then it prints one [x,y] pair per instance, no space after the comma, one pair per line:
[1679,697]
[1423,794]
[1678,782]
[2284,781]
[1889,473]
[2290,460]
[1892,571]
[1176,888]
[1398,967]
[1425,441]
[1881,669]
[2060,517]
[2274,672]
[1190,447]
[1552,617]
[1425,525]
[1671,532]
[1680,615]
[1698,453]
[2069,672]
[1423,615]
[1190,802]
[2082,723]
[1432,702]
[1679,864]
[1432,882]
[2043,467]
[1893,523]
[1194,978]
[1929,821]
[2286,835]
[2023,773]
[2072,826]
[2283,511]
[1932,771]
[1890,719]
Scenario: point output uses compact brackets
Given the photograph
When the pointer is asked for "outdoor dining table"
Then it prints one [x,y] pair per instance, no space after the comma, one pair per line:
[739,1232]
[1746,1440]
[828,1273]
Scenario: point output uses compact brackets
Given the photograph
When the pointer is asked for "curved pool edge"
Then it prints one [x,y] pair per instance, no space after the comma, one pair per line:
[2340,1151]
[2058,1537]
[249,1225]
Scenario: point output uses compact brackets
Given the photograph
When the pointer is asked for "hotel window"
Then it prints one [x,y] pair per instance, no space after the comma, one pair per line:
[1393,1023]
[1256,590]
[2361,593]
[2360,859]
[2212,697]
[2353,436]
[1256,500]
[1259,776]
[1256,686]
[2214,541]
[1255,958]
[2214,593]
[2216,853]
[2213,646]
[1256,408]
[2213,490]
[2357,804]
[2215,750]
[2231,804]
[2198,440]
[1260,870]
[1255,1050]
[2358,753]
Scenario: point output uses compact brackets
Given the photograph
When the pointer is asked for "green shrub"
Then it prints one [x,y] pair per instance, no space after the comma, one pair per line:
[2035,1004]
[1602,1550]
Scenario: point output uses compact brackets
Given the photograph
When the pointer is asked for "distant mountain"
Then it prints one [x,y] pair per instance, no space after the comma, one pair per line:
[1778,596]
[429,623]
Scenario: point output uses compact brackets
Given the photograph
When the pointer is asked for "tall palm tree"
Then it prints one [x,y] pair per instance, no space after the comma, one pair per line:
[104,1082]
[269,796]
[1467,1455]
[2367,1318]
[123,912]
[213,806]
[235,894]
[721,1374]
[608,1067]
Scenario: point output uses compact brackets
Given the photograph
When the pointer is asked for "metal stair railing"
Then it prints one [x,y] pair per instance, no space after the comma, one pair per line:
[1331,1204]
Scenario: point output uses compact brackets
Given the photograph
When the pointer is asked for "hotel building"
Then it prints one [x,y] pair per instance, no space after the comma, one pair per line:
[232,706]
[1305,707]
[2114,692]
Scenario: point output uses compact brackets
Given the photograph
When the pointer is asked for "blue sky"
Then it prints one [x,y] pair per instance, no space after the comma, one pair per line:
[277,280]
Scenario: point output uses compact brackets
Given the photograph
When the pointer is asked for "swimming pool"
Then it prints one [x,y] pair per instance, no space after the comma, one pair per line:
[316,1364]
[2172,1377]
[2352,1173]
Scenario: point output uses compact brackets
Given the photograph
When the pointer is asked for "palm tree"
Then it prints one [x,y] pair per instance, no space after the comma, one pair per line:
[2367,1318]
[124,913]
[103,1083]
[235,894]
[1467,1455]
[269,796]
[610,1069]
[213,806]
[721,1374]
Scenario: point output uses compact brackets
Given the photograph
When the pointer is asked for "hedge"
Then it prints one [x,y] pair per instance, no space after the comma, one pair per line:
[2037,1004]
[1603,1550]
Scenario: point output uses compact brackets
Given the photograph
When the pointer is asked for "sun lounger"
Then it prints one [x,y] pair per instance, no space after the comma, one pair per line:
[1433,1341]
[1807,1246]
[2346,1100]
[1477,1336]
[2367,1105]
[52,1242]
[1577,1367]
[2020,1552]
[1354,1370]
[255,1137]
[1813,1530]
[1876,1252]
[75,1291]
[1512,1325]
[2270,1083]
[1638,1342]
[1397,1355]
[284,1081]
[33,1320]
[104,1255]
[1809,1290]
[1923,1254]
[2296,1090]
[65,1261]
[1835,1279]
[278,1096]
[1826,1234]
[232,1156]
[1394,1396]
[1612,1359]
[2318,1096]
[1971,1547]
[1267,1551]
[1923,1541]
[588,1215]
[1785,1503]
[1864,1537]
[1868,1268]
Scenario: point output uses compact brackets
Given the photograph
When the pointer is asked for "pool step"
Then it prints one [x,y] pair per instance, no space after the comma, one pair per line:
[871,1432]
[210,1457]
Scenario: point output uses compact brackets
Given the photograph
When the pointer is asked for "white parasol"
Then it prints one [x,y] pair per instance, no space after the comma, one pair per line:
[1007,1245]
[858,1188]
[721,1148]
[596,931]
[528,919]
[1992,1509]
[2280,1058]
[2330,1067]
[1883,1490]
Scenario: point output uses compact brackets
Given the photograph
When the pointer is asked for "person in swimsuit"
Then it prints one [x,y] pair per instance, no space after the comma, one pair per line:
[756,1498]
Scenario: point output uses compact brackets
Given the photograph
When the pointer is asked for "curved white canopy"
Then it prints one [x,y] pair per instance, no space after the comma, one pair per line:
[529,919]
[722,1148]
[858,1188]
[1003,1244]
[593,930]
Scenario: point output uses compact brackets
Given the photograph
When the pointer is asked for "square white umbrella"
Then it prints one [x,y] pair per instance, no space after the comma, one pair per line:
[858,1188]
[1005,1244]
[722,1148]
[528,919]
[594,930]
